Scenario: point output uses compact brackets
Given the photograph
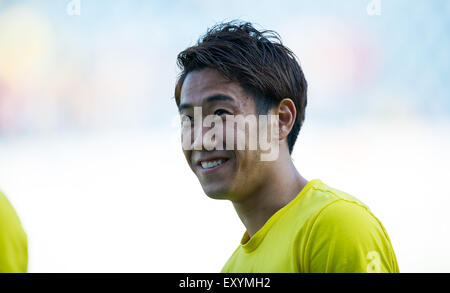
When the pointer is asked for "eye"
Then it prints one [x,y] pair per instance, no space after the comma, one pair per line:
[220,112]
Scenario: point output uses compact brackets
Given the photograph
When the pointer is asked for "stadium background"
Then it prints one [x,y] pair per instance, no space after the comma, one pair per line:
[89,152]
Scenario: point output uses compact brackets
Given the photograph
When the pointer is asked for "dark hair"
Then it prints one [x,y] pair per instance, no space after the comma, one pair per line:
[257,60]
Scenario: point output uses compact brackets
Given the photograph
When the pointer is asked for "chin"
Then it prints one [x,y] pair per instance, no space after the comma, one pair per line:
[217,192]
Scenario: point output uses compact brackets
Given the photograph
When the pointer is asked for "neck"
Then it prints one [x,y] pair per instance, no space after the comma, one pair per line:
[284,185]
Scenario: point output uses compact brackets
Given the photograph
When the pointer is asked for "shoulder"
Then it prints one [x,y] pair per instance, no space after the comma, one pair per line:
[319,202]
[13,240]
[343,234]
[9,220]
[7,212]
[327,194]
[342,215]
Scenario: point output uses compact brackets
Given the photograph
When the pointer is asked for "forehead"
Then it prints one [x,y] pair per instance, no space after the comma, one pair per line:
[201,84]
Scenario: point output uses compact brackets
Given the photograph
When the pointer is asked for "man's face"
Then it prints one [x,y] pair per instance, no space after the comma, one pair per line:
[239,172]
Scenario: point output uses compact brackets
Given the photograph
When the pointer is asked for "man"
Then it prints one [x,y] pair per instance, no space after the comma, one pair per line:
[292,224]
[13,240]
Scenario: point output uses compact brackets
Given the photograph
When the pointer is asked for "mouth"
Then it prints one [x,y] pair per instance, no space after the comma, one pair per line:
[207,166]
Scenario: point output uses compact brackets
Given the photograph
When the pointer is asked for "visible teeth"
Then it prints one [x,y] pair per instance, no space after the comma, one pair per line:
[211,164]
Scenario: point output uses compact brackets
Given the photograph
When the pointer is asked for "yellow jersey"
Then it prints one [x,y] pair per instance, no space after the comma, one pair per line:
[13,240]
[322,230]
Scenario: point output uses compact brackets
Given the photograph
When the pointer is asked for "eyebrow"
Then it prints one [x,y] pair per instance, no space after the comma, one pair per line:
[209,99]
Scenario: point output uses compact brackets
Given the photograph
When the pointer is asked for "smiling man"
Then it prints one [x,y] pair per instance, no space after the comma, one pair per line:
[292,224]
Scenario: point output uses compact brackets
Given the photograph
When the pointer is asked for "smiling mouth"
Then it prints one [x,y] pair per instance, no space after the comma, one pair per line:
[212,164]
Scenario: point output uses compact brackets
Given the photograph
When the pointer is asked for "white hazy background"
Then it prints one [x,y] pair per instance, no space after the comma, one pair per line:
[89,151]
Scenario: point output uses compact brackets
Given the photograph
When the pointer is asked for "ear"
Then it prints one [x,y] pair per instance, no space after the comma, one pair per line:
[286,114]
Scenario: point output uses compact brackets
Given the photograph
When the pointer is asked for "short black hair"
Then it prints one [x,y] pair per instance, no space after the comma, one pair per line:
[257,60]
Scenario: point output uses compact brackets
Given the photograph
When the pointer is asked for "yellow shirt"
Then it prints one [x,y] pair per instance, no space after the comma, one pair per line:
[322,230]
[13,240]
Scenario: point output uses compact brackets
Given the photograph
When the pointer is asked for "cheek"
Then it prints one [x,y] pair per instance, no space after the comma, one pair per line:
[247,164]
[187,136]
[249,173]
[241,136]
[187,155]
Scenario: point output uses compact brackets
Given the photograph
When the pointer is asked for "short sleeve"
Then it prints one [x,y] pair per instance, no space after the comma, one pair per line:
[347,238]
[13,240]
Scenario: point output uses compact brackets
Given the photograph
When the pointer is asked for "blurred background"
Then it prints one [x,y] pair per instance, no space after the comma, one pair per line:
[89,138]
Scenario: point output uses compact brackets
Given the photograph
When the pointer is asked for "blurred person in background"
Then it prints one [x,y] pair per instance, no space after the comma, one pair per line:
[13,240]
[293,225]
